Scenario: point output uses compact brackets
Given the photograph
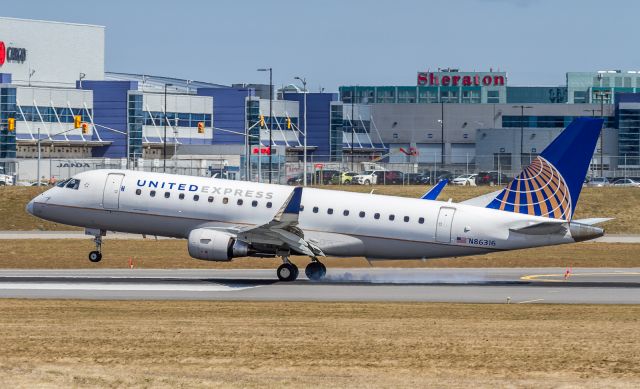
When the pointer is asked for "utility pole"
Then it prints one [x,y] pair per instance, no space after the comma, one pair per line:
[270,70]
[442,132]
[304,151]
[522,108]
[166,119]
[353,130]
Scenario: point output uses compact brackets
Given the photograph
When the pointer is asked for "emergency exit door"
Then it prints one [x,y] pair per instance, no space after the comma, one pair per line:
[443,228]
[111,194]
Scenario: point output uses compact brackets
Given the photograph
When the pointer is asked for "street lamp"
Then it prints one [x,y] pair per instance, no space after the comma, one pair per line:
[270,70]
[304,151]
[353,129]
[522,108]
[166,119]
[442,132]
[600,95]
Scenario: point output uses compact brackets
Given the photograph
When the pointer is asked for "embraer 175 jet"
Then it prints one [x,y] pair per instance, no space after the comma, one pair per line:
[224,219]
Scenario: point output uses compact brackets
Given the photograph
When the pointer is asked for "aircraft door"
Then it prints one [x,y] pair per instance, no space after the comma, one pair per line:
[443,227]
[111,194]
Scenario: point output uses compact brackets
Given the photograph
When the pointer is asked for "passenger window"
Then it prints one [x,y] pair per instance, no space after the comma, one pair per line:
[301,208]
[330,211]
[346,212]
[166,195]
[254,203]
[392,217]
[421,220]
[210,199]
[196,197]
[361,214]
[406,219]
[138,191]
[152,193]
[181,196]
[240,201]
[225,200]
[315,209]
[269,204]
[376,216]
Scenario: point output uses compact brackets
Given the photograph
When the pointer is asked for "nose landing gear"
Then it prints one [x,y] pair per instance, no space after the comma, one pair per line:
[96,255]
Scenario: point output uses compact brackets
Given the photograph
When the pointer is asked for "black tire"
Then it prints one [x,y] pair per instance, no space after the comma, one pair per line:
[287,272]
[95,256]
[367,182]
[315,271]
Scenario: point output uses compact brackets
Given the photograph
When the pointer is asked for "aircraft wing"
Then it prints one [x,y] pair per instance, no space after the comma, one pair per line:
[434,192]
[283,229]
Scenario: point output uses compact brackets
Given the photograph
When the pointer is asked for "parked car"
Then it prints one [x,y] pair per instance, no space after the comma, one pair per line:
[5,179]
[491,178]
[297,179]
[598,182]
[439,175]
[368,177]
[344,178]
[417,179]
[390,177]
[626,182]
[324,177]
[465,180]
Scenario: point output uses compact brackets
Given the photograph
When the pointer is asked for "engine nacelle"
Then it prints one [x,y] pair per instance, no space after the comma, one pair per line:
[212,245]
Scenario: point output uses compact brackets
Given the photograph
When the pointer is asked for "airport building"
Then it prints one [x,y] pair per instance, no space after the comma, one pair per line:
[53,73]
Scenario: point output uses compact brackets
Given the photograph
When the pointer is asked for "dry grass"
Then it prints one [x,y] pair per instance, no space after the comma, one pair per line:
[285,344]
[621,203]
[172,254]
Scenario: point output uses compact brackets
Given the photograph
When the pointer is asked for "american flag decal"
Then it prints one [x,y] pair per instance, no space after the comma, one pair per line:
[461,240]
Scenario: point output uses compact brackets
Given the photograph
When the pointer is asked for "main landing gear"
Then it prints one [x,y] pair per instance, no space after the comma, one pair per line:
[288,271]
[96,255]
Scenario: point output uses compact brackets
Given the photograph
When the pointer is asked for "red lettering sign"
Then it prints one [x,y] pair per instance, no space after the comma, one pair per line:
[453,79]
[261,150]
[3,53]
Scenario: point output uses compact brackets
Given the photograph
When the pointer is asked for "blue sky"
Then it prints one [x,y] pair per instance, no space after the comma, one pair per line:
[333,42]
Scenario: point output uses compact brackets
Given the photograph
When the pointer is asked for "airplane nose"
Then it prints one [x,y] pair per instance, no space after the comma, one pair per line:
[30,207]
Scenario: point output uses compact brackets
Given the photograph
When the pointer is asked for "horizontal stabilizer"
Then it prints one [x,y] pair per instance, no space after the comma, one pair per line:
[482,200]
[542,228]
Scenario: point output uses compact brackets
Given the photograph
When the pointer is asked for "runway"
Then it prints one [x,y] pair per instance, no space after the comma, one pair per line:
[516,286]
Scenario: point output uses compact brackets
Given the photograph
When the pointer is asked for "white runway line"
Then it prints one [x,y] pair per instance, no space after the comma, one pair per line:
[530,301]
[121,287]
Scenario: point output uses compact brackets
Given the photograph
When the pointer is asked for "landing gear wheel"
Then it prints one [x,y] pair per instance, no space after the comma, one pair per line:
[315,271]
[95,256]
[287,272]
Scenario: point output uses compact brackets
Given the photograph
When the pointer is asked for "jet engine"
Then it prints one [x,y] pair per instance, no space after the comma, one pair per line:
[212,245]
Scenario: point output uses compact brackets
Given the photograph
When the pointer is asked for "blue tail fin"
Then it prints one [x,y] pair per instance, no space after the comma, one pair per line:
[551,184]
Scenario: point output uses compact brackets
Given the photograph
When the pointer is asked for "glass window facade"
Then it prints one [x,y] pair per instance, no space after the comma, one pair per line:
[185,119]
[7,110]
[253,117]
[629,137]
[51,114]
[517,121]
[336,129]
[134,125]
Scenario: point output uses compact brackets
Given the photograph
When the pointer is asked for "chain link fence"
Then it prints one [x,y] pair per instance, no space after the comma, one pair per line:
[363,169]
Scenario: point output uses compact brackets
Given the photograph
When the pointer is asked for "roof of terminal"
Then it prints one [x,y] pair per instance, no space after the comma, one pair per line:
[151,82]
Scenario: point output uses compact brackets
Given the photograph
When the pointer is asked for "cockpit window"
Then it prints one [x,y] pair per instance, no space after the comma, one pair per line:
[61,184]
[73,184]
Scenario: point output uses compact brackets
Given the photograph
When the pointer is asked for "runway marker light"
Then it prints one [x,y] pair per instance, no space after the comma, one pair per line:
[85,128]
[11,124]
[77,121]
[262,121]
[288,123]
[200,127]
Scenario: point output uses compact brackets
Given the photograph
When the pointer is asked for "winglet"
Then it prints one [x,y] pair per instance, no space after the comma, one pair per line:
[291,207]
[434,192]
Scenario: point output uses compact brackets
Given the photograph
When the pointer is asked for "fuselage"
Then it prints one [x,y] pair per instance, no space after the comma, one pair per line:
[340,223]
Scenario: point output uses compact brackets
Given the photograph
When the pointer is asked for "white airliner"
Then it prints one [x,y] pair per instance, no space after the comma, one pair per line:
[225,219]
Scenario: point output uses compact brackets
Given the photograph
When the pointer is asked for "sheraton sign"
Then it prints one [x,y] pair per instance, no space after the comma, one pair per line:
[461,79]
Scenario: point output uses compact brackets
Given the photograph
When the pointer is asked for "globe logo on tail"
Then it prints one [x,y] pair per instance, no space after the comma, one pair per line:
[539,190]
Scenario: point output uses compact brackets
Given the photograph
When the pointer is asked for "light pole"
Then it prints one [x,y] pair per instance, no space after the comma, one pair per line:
[353,129]
[442,132]
[600,95]
[166,119]
[522,108]
[270,70]
[304,151]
